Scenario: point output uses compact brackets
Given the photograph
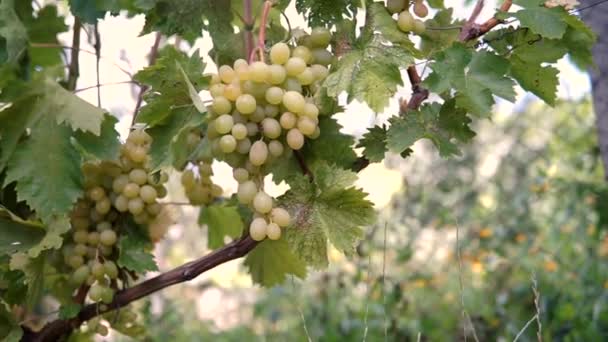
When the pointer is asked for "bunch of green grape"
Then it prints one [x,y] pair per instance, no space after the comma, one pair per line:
[200,189]
[406,21]
[264,111]
[124,320]
[113,191]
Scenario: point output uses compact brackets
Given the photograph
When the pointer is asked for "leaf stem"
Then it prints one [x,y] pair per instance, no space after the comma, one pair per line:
[97,58]
[248,29]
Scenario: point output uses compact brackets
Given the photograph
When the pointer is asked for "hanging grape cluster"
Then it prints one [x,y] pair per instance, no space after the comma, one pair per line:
[113,191]
[265,111]
[200,189]
[406,21]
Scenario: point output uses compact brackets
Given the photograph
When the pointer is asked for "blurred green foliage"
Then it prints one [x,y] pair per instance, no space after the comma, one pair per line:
[528,204]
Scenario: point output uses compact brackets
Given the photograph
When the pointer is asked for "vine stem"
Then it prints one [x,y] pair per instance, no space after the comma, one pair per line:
[74,65]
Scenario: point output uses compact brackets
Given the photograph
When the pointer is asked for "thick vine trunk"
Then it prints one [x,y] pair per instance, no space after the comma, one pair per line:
[597,19]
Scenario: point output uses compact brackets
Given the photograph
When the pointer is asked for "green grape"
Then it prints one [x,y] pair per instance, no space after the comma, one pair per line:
[227,144]
[405,21]
[136,205]
[311,111]
[322,57]
[295,139]
[306,77]
[240,175]
[161,191]
[276,74]
[258,115]
[105,225]
[246,104]
[217,90]
[257,229]
[304,40]
[302,52]
[239,131]
[80,236]
[226,74]
[252,129]
[292,84]
[93,238]
[258,72]
[103,207]
[232,91]
[223,124]
[97,269]
[258,153]
[81,274]
[320,37]
[271,128]
[293,101]
[106,297]
[139,137]
[239,63]
[246,192]
[238,118]
[274,95]
[188,179]
[280,216]
[96,292]
[306,125]
[108,237]
[243,146]
[97,193]
[279,53]
[131,190]
[288,120]
[273,231]
[138,154]
[395,6]
[205,169]
[92,253]
[148,193]
[319,72]
[271,111]
[199,195]
[75,261]
[119,183]
[138,176]
[295,66]
[105,250]
[419,27]
[242,70]
[216,190]
[154,209]
[275,148]
[121,203]
[221,105]
[110,269]
[262,203]
[80,249]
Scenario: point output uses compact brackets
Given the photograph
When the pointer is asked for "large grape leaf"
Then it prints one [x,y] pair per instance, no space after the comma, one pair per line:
[328,208]
[44,28]
[170,17]
[270,262]
[91,10]
[13,35]
[374,144]
[370,71]
[221,221]
[326,12]
[133,252]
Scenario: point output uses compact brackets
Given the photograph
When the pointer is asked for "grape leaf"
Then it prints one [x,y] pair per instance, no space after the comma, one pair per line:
[91,10]
[169,90]
[540,80]
[133,252]
[579,39]
[184,18]
[329,208]
[440,124]
[370,72]
[53,238]
[10,330]
[69,310]
[14,35]
[374,144]
[44,28]
[18,236]
[432,40]
[106,146]
[476,77]
[221,221]
[326,12]
[270,262]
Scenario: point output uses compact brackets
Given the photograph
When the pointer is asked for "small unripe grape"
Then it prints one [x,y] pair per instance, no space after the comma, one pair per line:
[96,292]
[262,203]
[102,330]
[223,124]
[154,208]
[295,139]
[258,71]
[119,183]
[252,129]
[395,6]
[205,169]
[273,231]
[148,193]
[199,195]
[97,269]
[274,95]
[232,91]
[293,101]
[405,21]
[306,77]
[80,248]
[306,125]
[288,120]
[239,131]
[161,191]
[257,229]
[271,111]
[216,190]
[271,128]
[258,115]
[103,207]
[292,84]
[226,74]
[420,9]
[104,225]
[139,137]
[75,261]
[243,146]
[96,216]
[322,57]
[81,274]
[276,74]
[246,104]
[221,105]
[302,52]
[106,297]
[121,203]
[320,37]
[217,90]
[97,193]
[93,238]
[319,71]
[188,179]
[258,153]
[279,53]
[110,269]
[107,237]
[295,66]
[419,27]
[240,175]
[275,148]
[80,236]
[246,192]
[138,176]
[215,79]
[131,190]
[280,216]
[136,206]
[227,144]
